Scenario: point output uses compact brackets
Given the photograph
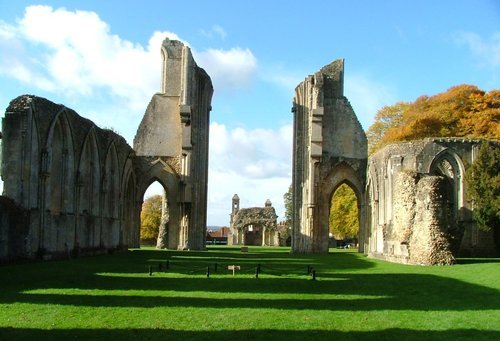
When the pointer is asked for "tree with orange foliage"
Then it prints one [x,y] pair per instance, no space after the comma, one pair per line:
[461,111]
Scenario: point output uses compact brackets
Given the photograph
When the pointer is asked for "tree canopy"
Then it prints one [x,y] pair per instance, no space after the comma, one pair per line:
[461,111]
[151,218]
[344,222]
[287,198]
[483,180]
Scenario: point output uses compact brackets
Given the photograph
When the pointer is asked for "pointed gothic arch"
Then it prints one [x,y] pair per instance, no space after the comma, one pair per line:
[450,166]
[88,193]
[59,147]
[110,222]
[342,173]
[168,177]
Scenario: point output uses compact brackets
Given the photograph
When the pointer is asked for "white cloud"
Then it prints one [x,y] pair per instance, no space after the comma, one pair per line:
[254,154]
[255,164]
[215,30]
[74,55]
[77,55]
[367,97]
[229,69]
[486,50]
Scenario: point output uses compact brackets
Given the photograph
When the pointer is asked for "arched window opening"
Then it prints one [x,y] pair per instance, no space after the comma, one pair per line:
[448,166]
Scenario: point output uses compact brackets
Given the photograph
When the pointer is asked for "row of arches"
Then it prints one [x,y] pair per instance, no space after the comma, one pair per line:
[84,191]
[77,181]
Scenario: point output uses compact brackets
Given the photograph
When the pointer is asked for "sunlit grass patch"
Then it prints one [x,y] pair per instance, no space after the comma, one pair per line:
[128,296]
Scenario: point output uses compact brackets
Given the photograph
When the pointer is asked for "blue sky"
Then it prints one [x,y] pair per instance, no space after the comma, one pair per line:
[102,58]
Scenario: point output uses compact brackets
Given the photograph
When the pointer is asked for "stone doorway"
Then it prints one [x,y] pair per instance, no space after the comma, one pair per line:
[253,235]
[344,217]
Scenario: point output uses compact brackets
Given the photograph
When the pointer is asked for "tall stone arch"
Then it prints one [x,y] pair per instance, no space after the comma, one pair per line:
[57,186]
[88,194]
[110,221]
[23,168]
[449,165]
[329,148]
[175,128]
[167,172]
[130,208]
[342,173]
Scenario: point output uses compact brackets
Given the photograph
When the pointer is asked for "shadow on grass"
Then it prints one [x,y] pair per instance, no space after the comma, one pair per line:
[356,292]
[266,334]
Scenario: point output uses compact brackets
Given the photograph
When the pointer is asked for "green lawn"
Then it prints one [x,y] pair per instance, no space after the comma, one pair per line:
[353,297]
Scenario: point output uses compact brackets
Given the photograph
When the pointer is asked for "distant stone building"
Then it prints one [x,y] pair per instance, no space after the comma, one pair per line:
[253,226]
[72,187]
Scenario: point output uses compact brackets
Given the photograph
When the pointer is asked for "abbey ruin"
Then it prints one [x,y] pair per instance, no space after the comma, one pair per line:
[330,148]
[411,196]
[73,188]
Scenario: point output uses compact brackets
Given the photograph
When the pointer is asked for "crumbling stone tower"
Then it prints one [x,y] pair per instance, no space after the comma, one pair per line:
[173,139]
[329,149]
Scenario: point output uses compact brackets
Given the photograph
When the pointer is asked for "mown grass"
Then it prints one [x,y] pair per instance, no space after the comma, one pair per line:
[353,297]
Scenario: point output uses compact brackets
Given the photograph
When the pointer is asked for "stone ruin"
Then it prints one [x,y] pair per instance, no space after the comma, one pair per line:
[253,226]
[330,148]
[418,211]
[411,196]
[71,187]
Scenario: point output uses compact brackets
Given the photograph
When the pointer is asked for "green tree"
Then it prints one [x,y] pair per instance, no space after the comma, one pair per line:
[151,218]
[344,222]
[288,199]
[483,180]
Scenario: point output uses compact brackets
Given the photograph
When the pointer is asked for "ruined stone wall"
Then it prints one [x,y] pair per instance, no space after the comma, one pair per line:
[418,208]
[176,127]
[329,148]
[68,176]
[419,233]
[82,187]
